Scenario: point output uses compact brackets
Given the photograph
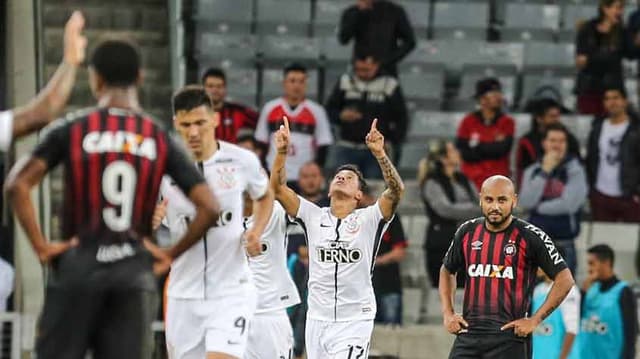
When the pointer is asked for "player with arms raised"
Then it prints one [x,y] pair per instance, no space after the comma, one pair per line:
[101,292]
[343,241]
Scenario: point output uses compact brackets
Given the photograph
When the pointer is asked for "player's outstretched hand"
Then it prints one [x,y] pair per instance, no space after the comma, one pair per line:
[522,327]
[158,214]
[75,44]
[53,249]
[375,140]
[455,323]
[252,243]
[282,137]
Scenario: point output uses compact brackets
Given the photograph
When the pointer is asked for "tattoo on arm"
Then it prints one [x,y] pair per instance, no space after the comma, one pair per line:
[548,312]
[395,187]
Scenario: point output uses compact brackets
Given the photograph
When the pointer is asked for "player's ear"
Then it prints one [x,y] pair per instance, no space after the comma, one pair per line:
[359,195]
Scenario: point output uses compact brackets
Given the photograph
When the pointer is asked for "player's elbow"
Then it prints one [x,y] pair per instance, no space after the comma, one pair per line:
[14,188]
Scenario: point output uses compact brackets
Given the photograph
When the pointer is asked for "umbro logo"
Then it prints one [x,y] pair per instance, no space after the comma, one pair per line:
[476,246]
[325,225]
[232,343]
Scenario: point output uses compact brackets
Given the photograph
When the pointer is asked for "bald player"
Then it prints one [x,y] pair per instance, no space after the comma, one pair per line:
[500,255]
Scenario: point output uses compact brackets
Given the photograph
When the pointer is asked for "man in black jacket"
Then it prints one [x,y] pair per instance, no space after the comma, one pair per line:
[355,101]
[379,27]
[613,162]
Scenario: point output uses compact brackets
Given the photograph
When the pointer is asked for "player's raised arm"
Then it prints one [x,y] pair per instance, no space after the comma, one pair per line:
[278,179]
[52,100]
[391,196]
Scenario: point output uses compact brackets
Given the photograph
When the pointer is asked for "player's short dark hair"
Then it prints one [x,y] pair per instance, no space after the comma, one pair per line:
[294,67]
[556,127]
[214,72]
[543,105]
[190,97]
[603,252]
[117,61]
[362,183]
[620,89]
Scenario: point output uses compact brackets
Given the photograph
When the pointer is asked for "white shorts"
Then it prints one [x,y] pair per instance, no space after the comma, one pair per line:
[6,130]
[270,336]
[195,327]
[338,340]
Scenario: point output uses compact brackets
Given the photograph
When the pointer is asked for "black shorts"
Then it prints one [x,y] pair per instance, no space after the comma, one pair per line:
[496,346]
[105,308]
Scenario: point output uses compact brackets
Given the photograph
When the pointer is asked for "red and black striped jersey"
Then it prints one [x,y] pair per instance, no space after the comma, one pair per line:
[501,270]
[233,118]
[114,160]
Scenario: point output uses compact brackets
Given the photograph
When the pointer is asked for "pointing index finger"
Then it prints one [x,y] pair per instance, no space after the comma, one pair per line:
[286,123]
[374,124]
[508,325]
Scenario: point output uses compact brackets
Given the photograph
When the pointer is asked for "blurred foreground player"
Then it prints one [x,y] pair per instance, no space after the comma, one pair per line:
[47,105]
[501,254]
[211,299]
[101,292]
[270,332]
[343,242]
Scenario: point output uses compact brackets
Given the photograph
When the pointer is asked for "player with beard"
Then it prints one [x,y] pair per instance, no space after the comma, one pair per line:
[501,254]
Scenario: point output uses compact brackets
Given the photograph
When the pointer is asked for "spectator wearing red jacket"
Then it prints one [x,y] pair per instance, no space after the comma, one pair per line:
[485,136]
[234,117]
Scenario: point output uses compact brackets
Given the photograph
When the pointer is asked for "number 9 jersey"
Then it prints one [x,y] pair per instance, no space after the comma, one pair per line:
[114,161]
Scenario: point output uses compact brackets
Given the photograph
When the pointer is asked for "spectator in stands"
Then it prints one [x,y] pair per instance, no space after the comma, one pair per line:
[234,117]
[449,198]
[544,112]
[380,28]
[609,321]
[355,101]
[553,191]
[311,184]
[310,127]
[601,44]
[613,162]
[387,283]
[485,136]
[554,337]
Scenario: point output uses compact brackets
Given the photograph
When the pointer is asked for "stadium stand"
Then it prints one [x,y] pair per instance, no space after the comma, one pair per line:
[253,39]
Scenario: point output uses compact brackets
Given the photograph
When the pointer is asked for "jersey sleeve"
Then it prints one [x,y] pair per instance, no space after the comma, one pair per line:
[257,180]
[55,143]
[544,252]
[453,260]
[6,130]
[180,168]
[570,310]
[307,210]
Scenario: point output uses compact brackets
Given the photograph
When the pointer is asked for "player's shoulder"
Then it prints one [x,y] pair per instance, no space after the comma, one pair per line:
[232,152]
[530,231]
[470,225]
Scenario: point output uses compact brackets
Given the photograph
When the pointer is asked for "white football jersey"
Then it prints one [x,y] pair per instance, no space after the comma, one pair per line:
[275,288]
[6,130]
[341,258]
[217,265]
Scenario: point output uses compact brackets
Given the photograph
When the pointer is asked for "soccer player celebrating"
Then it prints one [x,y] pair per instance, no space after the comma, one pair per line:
[48,104]
[501,254]
[343,242]
[270,332]
[101,292]
[210,295]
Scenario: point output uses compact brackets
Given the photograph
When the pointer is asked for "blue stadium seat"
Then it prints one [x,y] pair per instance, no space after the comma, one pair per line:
[335,54]
[549,55]
[460,20]
[562,84]
[278,49]
[530,22]
[418,13]
[574,14]
[231,48]
[283,17]
[327,17]
[242,85]
[423,90]
[223,16]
